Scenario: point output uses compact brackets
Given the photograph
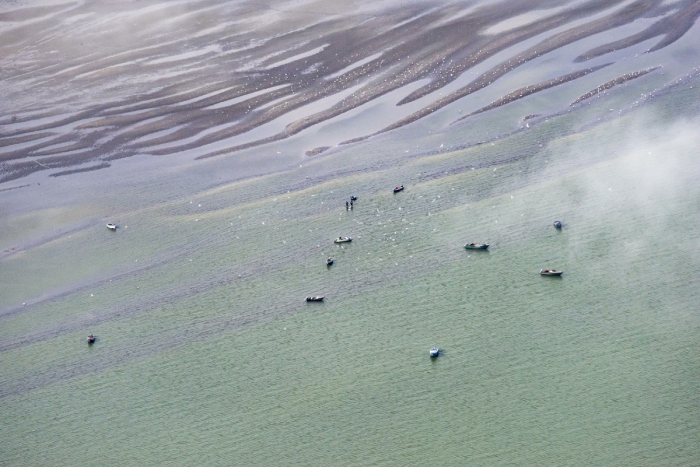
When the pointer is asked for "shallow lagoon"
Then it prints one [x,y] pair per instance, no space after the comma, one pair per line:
[207,353]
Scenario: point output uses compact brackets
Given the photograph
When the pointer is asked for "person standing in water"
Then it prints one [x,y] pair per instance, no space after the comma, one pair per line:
[346,206]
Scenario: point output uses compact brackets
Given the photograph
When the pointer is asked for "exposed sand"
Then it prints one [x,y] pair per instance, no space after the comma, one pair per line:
[13,188]
[316,151]
[672,28]
[526,91]
[80,89]
[621,17]
[103,165]
[614,82]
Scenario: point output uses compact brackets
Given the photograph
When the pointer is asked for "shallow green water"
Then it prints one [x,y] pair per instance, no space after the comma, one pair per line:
[208,355]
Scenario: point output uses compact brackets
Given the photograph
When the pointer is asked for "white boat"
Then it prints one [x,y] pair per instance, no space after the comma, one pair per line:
[551,272]
[315,298]
[434,352]
[111,226]
[342,240]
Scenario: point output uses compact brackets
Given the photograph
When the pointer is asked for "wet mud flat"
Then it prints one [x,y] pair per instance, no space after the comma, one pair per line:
[199,76]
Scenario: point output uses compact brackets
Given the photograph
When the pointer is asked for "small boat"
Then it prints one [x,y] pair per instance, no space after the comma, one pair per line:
[353,198]
[91,339]
[329,261]
[398,188]
[434,352]
[315,298]
[476,246]
[551,272]
[342,240]
[111,226]
[557,225]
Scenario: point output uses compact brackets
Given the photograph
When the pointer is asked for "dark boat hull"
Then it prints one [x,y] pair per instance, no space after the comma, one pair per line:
[477,247]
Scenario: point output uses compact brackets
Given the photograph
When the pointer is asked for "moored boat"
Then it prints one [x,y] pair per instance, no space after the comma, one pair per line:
[434,352]
[329,261]
[342,240]
[315,298]
[91,339]
[551,272]
[476,246]
[398,188]
[557,225]
[111,226]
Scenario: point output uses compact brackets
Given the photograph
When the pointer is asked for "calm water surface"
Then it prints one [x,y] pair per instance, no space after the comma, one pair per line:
[208,355]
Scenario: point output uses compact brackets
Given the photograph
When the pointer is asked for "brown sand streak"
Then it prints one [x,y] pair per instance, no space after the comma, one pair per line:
[526,91]
[614,82]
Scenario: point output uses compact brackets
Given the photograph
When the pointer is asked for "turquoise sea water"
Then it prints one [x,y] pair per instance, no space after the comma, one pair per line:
[207,353]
